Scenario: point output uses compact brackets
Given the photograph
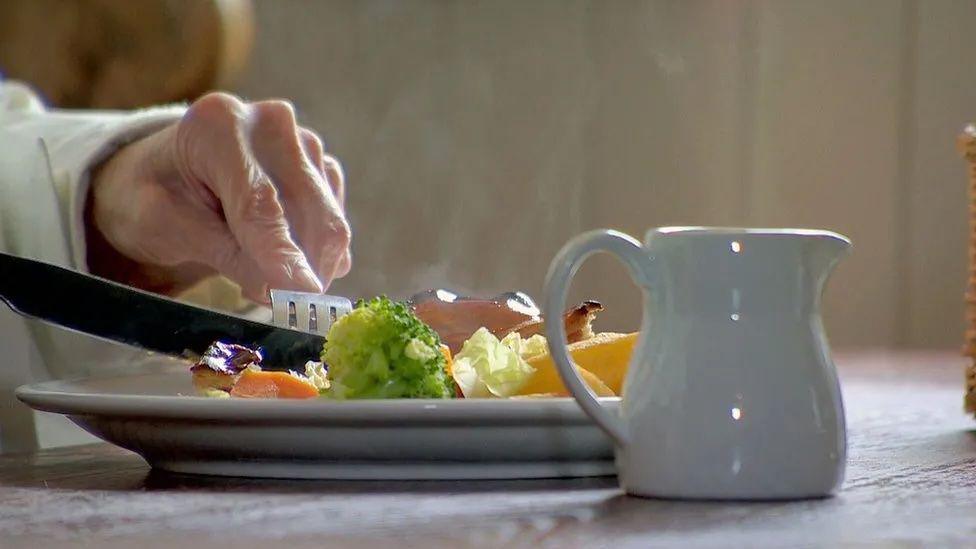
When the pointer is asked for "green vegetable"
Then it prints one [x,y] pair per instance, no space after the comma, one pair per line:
[487,367]
[526,348]
[382,350]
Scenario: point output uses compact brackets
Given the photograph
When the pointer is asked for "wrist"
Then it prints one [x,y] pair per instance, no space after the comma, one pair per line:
[108,222]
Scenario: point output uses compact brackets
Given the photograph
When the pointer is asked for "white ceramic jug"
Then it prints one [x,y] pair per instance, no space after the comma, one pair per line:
[731,392]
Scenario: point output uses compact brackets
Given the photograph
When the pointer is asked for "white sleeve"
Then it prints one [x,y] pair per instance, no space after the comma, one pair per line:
[45,159]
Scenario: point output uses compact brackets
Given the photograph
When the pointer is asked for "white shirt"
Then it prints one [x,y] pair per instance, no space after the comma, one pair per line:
[45,158]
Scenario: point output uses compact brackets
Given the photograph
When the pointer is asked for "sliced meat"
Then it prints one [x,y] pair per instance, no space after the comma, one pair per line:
[456,319]
[455,322]
[578,320]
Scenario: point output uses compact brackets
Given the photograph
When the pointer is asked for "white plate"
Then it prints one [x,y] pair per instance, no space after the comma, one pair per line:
[376,439]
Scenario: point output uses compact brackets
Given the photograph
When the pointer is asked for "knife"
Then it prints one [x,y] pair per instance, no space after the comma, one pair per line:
[119,313]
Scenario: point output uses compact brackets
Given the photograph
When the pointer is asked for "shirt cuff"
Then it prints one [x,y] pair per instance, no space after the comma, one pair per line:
[73,156]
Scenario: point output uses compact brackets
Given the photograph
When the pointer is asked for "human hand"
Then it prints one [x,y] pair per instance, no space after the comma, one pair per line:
[233,188]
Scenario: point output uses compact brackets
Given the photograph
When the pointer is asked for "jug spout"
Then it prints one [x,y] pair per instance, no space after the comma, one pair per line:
[826,249]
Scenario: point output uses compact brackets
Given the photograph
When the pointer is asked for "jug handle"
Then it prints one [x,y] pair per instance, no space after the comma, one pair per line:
[561,272]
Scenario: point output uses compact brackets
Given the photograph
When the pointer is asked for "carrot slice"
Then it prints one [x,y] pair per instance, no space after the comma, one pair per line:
[266,384]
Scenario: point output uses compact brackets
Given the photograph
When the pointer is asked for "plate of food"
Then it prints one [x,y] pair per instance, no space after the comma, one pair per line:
[437,387]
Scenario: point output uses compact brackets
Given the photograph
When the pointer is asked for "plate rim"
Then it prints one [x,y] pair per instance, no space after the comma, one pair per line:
[56,396]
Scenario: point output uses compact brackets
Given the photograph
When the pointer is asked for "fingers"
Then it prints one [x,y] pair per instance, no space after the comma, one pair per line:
[257,220]
[227,257]
[216,247]
[195,237]
[328,165]
[213,146]
[308,181]
[313,147]
[331,170]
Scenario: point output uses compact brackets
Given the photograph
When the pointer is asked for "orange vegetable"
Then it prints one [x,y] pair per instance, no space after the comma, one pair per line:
[596,385]
[605,355]
[264,384]
[449,368]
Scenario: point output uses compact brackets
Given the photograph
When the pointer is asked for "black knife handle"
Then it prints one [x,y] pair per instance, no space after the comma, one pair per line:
[112,311]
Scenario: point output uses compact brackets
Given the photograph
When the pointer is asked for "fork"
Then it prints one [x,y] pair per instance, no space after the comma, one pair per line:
[307,312]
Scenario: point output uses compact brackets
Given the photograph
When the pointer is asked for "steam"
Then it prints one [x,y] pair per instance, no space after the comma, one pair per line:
[461,182]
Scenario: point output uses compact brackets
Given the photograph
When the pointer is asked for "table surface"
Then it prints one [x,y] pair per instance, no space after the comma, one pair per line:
[911,478]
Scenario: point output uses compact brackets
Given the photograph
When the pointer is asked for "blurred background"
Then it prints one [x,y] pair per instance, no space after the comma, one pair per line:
[478,137]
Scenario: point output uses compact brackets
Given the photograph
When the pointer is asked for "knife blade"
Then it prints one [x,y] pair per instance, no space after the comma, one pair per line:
[112,311]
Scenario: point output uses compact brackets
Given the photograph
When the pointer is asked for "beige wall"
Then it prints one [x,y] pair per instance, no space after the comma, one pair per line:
[479,136]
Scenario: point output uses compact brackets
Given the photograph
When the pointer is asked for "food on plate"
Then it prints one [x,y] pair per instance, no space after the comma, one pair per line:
[455,319]
[382,350]
[254,383]
[605,355]
[234,370]
[449,368]
[578,321]
[489,367]
[599,388]
[221,366]
[515,366]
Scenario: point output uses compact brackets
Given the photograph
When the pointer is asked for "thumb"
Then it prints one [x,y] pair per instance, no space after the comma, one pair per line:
[256,242]
[211,244]
[224,254]
[259,228]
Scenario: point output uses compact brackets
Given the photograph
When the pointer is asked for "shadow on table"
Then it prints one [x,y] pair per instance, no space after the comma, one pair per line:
[933,459]
[946,449]
[143,479]
[99,467]
[156,480]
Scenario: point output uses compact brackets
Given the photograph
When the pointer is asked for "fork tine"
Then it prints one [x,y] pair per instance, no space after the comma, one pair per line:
[301,314]
[279,309]
[327,308]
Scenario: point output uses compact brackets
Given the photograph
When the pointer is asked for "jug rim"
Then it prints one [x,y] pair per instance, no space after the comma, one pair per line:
[702,230]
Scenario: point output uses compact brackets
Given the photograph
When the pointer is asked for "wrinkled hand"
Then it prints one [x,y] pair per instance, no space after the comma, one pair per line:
[233,188]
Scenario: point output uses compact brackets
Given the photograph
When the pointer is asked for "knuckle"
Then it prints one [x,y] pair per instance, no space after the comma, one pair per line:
[312,144]
[333,165]
[261,205]
[278,113]
[213,115]
[217,106]
[337,234]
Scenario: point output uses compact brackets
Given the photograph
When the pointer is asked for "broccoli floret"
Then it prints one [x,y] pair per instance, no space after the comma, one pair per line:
[382,350]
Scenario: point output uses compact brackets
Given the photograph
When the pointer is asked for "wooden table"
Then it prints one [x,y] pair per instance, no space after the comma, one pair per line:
[911,478]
